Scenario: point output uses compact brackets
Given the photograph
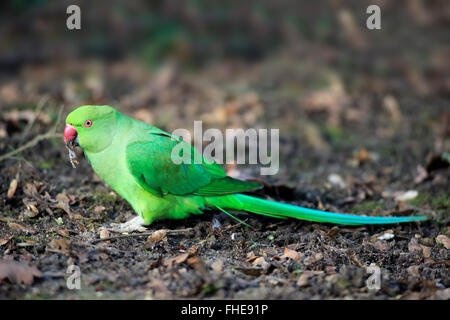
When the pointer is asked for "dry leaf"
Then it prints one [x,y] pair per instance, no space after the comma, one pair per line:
[63,203]
[30,189]
[17,226]
[443,240]
[177,259]
[305,276]
[254,272]
[193,250]
[291,254]
[252,257]
[197,264]
[31,209]
[18,272]
[63,232]
[5,240]
[12,188]
[60,245]
[155,237]
[258,261]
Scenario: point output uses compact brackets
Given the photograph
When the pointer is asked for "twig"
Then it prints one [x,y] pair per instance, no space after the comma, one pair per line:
[134,235]
[37,113]
[48,135]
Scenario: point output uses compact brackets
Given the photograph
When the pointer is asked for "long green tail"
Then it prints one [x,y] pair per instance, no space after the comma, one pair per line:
[282,210]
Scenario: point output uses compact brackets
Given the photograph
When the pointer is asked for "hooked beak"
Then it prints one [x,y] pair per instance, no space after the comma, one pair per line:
[70,135]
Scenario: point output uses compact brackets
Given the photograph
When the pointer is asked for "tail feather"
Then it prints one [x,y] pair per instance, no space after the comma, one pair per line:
[282,210]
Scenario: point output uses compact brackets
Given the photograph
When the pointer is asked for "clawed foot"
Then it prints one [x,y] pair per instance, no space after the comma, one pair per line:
[135,224]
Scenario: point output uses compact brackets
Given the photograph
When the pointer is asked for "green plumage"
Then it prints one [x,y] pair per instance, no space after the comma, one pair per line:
[138,162]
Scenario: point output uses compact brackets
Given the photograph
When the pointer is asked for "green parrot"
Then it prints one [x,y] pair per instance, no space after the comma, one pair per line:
[135,159]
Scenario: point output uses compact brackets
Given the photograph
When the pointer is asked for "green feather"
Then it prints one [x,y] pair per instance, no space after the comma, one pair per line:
[136,160]
[282,210]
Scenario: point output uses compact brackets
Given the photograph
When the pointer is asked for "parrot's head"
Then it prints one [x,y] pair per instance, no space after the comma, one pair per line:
[91,127]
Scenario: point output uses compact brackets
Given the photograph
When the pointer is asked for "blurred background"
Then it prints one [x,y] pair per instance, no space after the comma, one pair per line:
[363,118]
[312,69]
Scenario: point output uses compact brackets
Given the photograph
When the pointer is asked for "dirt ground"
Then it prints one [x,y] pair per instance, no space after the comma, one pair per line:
[356,136]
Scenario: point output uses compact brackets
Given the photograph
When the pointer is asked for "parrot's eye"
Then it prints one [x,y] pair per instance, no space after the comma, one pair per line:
[88,123]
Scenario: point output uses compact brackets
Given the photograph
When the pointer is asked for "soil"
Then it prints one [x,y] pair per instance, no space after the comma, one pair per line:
[356,136]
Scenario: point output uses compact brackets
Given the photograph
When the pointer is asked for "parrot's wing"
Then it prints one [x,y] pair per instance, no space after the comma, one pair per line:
[159,170]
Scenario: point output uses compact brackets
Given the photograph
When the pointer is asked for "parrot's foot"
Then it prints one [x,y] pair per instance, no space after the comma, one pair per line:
[135,224]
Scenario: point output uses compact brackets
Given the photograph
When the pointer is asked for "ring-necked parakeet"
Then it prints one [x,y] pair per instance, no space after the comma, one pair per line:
[135,159]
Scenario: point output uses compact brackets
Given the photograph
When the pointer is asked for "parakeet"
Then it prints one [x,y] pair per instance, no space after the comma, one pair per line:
[136,160]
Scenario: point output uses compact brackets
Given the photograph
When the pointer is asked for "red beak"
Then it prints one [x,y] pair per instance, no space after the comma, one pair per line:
[69,133]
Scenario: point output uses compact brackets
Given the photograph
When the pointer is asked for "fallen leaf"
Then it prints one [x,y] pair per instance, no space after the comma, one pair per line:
[291,254]
[252,257]
[303,280]
[155,237]
[12,188]
[63,203]
[60,245]
[176,260]
[30,190]
[258,261]
[193,250]
[443,240]
[334,231]
[197,264]
[31,209]
[254,272]
[63,232]
[17,226]
[5,240]
[18,272]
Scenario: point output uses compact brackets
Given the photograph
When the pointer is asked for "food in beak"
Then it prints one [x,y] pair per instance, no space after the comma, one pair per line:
[71,141]
[72,156]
